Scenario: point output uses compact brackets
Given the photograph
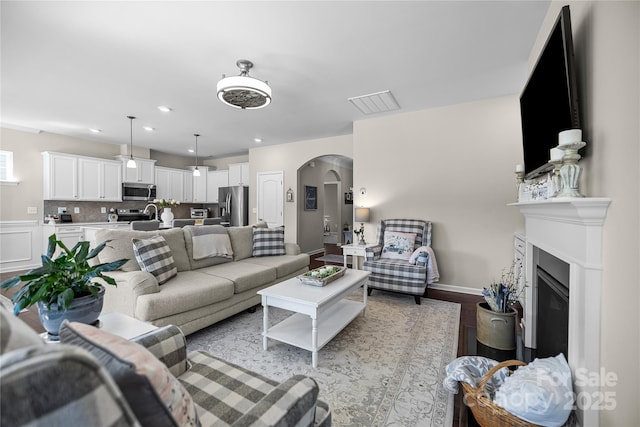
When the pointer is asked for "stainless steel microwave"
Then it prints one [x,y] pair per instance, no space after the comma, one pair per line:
[134,191]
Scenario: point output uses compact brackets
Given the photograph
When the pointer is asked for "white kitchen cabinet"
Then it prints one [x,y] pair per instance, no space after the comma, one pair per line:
[71,177]
[99,180]
[143,173]
[200,185]
[60,172]
[169,183]
[215,180]
[187,180]
[69,234]
[174,184]
[238,174]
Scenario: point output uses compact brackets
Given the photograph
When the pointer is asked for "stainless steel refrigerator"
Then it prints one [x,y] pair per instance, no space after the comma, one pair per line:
[233,205]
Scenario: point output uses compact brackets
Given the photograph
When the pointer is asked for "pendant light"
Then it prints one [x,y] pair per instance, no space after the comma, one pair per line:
[131,163]
[196,172]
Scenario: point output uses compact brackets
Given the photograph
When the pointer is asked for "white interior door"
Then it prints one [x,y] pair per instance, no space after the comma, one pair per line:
[271,198]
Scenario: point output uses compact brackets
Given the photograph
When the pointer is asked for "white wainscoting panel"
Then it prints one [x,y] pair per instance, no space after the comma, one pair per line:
[20,245]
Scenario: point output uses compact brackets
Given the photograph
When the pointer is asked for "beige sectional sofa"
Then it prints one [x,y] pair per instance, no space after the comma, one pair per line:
[204,291]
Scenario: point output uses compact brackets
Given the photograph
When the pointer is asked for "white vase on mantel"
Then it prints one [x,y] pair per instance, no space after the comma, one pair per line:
[167,217]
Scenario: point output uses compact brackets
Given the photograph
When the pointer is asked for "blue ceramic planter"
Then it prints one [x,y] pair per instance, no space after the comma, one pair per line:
[84,310]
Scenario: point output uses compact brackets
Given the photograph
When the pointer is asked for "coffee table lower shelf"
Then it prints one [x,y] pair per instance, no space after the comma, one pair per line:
[297,329]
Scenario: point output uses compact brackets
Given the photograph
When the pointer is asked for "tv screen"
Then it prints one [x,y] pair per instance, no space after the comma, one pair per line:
[549,102]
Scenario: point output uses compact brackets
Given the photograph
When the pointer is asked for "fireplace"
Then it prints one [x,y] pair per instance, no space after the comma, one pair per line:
[551,294]
[570,230]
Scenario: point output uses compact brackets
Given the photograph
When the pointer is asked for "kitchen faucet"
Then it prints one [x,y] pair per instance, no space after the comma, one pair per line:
[146,209]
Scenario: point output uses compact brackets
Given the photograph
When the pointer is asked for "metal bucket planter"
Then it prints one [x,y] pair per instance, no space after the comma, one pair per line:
[496,330]
[85,309]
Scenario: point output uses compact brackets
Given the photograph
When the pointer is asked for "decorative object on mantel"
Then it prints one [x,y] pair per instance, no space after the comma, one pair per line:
[243,91]
[519,178]
[362,215]
[64,287]
[496,318]
[131,164]
[539,189]
[570,142]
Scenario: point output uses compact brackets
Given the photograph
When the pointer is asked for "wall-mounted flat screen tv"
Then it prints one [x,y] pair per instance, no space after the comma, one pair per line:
[549,102]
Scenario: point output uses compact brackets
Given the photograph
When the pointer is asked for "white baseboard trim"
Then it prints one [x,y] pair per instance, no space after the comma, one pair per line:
[455,288]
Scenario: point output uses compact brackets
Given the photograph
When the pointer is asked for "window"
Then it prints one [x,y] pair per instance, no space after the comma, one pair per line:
[6,166]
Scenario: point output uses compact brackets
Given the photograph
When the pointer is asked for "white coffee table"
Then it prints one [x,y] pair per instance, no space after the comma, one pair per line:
[321,312]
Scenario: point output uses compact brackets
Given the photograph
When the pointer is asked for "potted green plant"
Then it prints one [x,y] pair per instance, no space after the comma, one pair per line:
[496,317]
[67,287]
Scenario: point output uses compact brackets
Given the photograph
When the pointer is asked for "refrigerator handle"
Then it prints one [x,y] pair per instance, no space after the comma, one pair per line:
[228,203]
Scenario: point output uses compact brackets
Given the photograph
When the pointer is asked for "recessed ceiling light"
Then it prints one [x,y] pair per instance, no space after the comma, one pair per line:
[191,150]
[95,130]
[148,128]
[164,109]
[257,140]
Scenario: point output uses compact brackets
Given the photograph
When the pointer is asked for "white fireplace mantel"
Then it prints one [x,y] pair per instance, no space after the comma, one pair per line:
[571,230]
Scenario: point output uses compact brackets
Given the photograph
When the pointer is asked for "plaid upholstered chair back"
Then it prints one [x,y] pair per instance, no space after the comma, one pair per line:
[422,229]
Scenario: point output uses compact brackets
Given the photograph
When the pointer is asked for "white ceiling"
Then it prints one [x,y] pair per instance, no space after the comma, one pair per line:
[70,66]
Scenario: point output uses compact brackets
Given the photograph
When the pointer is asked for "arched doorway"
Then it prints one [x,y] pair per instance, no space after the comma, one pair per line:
[329,178]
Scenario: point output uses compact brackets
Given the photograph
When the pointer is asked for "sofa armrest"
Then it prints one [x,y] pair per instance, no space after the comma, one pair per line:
[292,403]
[130,285]
[372,253]
[168,345]
[291,249]
[59,385]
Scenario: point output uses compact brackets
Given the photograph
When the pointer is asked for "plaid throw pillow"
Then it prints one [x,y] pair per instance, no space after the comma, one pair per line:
[154,256]
[268,241]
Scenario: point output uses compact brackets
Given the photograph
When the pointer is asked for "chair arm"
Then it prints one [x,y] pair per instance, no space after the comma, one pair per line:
[168,345]
[372,253]
[59,385]
[130,285]
[292,403]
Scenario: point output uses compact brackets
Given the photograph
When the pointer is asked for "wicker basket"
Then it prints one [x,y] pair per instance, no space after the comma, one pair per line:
[487,413]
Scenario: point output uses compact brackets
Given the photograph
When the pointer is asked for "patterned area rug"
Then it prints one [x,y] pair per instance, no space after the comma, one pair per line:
[384,369]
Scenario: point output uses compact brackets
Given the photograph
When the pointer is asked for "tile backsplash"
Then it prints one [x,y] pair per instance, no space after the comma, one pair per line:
[91,211]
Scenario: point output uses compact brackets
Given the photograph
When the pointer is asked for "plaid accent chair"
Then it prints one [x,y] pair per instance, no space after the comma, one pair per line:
[63,385]
[398,275]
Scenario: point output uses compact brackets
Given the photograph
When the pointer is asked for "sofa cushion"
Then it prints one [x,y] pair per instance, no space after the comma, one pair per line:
[155,396]
[154,256]
[222,391]
[214,237]
[268,241]
[245,276]
[190,290]
[120,246]
[59,385]
[284,264]
[242,240]
[14,333]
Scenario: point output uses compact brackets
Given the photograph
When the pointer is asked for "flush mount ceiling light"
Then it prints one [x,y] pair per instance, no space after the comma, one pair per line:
[379,102]
[131,163]
[196,172]
[244,91]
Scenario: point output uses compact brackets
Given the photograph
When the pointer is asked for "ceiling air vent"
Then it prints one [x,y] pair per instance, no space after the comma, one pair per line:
[379,102]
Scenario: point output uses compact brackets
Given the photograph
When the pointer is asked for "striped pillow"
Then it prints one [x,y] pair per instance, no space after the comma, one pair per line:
[268,241]
[154,256]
